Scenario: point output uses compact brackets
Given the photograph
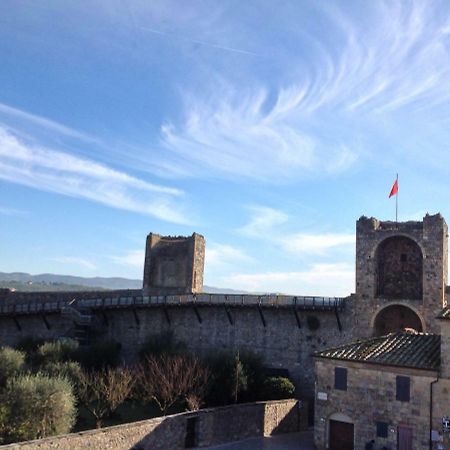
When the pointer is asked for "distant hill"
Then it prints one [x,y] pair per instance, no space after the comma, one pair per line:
[69,280]
[52,282]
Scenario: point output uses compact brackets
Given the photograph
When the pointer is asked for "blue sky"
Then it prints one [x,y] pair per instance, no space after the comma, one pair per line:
[268,127]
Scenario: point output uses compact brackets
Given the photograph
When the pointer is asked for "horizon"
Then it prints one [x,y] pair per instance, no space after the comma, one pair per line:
[268,130]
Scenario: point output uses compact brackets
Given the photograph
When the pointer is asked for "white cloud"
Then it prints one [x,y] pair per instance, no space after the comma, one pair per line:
[234,135]
[219,255]
[46,123]
[133,258]
[320,279]
[63,173]
[315,243]
[391,59]
[262,220]
[73,260]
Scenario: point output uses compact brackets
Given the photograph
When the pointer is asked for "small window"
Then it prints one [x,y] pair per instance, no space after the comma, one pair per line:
[403,257]
[382,429]
[340,378]
[403,388]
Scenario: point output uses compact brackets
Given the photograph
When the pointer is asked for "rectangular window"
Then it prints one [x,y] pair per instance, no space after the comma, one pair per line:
[340,378]
[403,388]
[382,429]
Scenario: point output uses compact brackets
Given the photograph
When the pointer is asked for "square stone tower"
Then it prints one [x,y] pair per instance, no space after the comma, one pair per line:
[401,275]
[174,265]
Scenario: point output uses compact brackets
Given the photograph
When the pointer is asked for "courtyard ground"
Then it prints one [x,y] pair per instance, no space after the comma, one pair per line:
[291,441]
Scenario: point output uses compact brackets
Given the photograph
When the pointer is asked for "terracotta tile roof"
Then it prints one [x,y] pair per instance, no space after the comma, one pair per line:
[404,349]
[445,313]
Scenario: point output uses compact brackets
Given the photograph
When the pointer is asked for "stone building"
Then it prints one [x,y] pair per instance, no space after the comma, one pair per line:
[378,388]
[392,384]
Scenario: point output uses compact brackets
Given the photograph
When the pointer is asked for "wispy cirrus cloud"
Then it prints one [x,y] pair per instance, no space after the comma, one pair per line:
[237,136]
[63,173]
[44,122]
[365,70]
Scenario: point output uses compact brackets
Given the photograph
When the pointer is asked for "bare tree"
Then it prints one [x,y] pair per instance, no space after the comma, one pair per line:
[101,392]
[170,378]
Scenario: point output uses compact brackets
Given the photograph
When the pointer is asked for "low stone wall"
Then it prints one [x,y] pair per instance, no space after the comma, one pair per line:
[200,429]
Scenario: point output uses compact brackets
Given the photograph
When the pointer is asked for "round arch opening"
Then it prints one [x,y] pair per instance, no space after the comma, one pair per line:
[399,268]
[395,318]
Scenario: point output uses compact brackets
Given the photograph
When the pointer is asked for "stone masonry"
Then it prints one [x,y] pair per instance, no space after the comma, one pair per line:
[402,266]
[370,397]
[174,265]
[212,427]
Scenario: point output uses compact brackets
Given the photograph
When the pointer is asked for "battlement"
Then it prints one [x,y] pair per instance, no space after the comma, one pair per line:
[371,224]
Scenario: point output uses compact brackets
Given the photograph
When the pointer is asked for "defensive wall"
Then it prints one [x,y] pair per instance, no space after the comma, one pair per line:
[401,282]
[284,330]
[186,430]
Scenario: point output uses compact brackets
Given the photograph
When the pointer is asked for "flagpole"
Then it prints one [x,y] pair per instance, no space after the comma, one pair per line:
[396,204]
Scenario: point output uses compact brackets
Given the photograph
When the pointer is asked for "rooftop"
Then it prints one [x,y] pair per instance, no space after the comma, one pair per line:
[402,349]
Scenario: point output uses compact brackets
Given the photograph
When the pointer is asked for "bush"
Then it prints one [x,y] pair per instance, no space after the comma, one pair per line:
[277,388]
[163,343]
[37,406]
[11,363]
[100,354]
[57,351]
[70,370]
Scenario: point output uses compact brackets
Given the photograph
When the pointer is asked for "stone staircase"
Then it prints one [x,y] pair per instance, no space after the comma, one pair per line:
[82,320]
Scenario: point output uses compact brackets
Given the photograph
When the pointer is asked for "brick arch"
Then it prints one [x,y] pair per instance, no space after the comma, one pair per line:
[399,268]
[396,317]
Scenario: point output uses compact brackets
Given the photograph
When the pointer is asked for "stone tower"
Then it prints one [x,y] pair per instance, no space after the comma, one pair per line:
[401,275]
[174,265]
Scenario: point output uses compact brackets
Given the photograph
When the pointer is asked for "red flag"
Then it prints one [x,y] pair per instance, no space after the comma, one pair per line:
[394,189]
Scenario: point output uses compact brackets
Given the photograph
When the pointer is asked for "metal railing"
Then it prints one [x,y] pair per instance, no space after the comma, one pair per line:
[35,306]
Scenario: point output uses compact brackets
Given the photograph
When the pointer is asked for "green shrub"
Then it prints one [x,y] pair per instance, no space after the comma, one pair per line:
[277,388]
[37,406]
[100,354]
[57,351]
[70,370]
[163,343]
[11,363]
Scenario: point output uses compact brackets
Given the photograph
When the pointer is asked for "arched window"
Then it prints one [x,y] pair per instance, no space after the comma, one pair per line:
[396,318]
[399,269]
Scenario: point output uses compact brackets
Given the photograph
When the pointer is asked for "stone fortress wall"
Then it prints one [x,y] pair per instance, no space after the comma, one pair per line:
[401,276]
[212,426]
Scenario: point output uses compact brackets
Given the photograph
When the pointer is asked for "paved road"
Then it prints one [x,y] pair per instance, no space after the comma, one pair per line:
[291,441]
